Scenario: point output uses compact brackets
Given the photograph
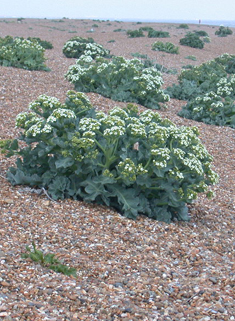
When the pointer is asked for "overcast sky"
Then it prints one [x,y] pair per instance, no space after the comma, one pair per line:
[135,10]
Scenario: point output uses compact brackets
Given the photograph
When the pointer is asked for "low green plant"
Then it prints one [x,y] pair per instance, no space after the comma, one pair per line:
[166,47]
[110,41]
[119,30]
[137,163]
[183,26]
[203,78]
[146,28]
[228,62]
[135,33]
[206,39]
[158,34]
[5,145]
[201,33]
[211,108]
[48,260]
[191,57]
[44,43]
[139,55]
[78,46]
[223,31]
[192,40]
[119,79]
[22,53]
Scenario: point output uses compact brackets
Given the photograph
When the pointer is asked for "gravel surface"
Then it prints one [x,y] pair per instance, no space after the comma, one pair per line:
[126,270]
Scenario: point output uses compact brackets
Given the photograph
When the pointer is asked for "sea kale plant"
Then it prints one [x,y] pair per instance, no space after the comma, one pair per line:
[78,46]
[119,79]
[193,40]
[135,33]
[211,109]
[158,34]
[167,47]
[137,163]
[22,53]
[44,43]
[202,79]
[223,31]
[210,91]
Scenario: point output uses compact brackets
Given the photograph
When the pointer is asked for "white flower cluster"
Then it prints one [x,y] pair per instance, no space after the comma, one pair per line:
[27,44]
[89,124]
[193,164]
[95,50]
[60,113]
[127,169]
[114,132]
[45,103]
[226,87]
[39,128]
[25,120]
[137,130]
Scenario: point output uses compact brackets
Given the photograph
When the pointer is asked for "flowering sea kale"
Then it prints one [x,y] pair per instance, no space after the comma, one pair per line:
[212,108]
[78,46]
[136,163]
[22,53]
[119,79]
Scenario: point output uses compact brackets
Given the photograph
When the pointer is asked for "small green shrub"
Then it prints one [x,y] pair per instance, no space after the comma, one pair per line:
[45,44]
[211,109]
[119,79]
[183,26]
[135,33]
[223,31]
[197,80]
[201,33]
[139,55]
[47,260]
[191,57]
[119,30]
[206,39]
[111,41]
[135,162]
[192,40]
[158,34]
[77,46]
[146,28]
[228,61]
[22,53]
[166,47]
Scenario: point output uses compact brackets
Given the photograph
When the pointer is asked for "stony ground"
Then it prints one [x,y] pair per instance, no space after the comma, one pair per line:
[126,270]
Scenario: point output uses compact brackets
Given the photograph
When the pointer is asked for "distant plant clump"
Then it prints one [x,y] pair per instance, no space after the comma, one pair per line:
[201,33]
[192,40]
[183,26]
[77,46]
[137,163]
[135,33]
[119,79]
[158,34]
[166,47]
[191,57]
[210,91]
[22,53]
[44,43]
[223,31]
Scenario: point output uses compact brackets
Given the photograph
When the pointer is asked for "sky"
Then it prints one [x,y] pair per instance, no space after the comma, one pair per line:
[132,10]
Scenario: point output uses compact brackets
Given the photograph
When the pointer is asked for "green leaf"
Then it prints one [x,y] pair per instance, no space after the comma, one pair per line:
[64,162]
[127,199]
